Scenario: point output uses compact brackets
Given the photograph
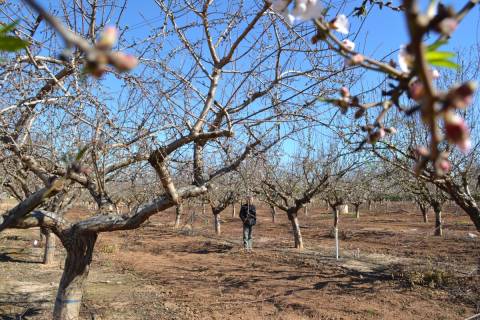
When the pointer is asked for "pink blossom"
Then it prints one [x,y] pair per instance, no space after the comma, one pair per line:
[416,90]
[456,131]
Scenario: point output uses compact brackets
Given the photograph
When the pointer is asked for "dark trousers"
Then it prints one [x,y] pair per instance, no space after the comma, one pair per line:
[247,236]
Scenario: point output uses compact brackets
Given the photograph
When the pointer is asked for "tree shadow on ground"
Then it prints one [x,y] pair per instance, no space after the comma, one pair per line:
[24,315]
[4,257]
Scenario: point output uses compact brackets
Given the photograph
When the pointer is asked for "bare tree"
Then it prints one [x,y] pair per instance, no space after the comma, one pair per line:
[290,187]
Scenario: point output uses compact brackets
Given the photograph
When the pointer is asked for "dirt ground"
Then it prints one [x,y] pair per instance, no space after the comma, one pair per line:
[391,267]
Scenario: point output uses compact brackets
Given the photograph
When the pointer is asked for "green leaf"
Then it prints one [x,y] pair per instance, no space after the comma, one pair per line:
[437,44]
[440,58]
[8,27]
[9,43]
[439,55]
[444,63]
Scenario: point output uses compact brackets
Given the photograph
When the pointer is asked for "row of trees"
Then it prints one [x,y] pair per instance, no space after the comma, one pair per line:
[221,90]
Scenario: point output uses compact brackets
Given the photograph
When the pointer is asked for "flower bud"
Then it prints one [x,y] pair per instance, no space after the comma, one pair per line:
[348,44]
[107,39]
[456,131]
[123,62]
[416,90]
[442,166]
[345,92]
[447,26]
[460,97]
[357,59]
[422,152]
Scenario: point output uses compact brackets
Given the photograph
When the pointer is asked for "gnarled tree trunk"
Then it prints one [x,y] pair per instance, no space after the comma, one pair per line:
[463,199]
[77,264]
[297,235]
[49,253]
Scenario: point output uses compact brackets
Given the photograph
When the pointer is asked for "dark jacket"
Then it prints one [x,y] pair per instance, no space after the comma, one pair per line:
[248,214]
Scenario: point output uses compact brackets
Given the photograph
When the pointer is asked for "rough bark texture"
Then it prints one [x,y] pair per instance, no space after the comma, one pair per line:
[49,253]
[438,221]
[297,235]
[424,214]
[216,217]
[77,264]
[464,200]
[178,215]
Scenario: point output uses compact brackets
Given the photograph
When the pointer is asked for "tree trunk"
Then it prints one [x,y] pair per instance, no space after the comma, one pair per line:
[305,210]
[49,253]
[178,215]
[357,211]
[438,222]
[217,223]
[463,200]
[369,205]
[274,213]
[77,264]
[424,214]
[296,231]
[234,211]
[335,218]
[204,210]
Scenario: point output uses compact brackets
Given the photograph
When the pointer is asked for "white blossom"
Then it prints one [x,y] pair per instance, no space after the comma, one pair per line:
[341,24]
[349,45]
[307,9]
[279,5]
[405,59]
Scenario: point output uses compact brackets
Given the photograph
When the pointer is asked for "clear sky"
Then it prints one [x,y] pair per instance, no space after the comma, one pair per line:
[382,31]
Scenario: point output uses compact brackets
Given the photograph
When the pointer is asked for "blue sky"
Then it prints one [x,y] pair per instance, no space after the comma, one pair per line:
[382,32]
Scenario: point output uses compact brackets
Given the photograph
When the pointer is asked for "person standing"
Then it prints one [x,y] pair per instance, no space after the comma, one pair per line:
[248,214]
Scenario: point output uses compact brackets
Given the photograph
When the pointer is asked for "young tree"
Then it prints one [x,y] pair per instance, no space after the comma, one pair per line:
[222,194]
[291,185]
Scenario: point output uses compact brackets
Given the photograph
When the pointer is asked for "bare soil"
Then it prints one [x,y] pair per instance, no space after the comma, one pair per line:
[391,267]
